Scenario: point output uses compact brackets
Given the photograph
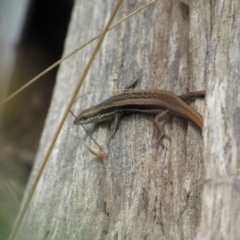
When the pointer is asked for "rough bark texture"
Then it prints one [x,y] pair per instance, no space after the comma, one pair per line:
[220,217]
[142,191]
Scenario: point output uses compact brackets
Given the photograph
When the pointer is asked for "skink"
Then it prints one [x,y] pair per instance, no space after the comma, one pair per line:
[143,101]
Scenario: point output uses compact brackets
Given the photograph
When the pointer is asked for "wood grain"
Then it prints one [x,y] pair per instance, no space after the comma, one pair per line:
[141,191]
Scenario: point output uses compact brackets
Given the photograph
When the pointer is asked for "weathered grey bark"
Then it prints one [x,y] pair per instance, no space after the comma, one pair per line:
[220,217]
[141,191]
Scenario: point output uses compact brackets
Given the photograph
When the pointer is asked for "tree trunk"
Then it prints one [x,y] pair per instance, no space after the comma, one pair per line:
[143,191]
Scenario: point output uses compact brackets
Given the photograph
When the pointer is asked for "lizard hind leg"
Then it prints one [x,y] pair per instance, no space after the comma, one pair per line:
[133,84]
[161,133]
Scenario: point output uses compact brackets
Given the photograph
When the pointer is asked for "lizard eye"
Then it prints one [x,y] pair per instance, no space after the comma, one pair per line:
[84,118]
